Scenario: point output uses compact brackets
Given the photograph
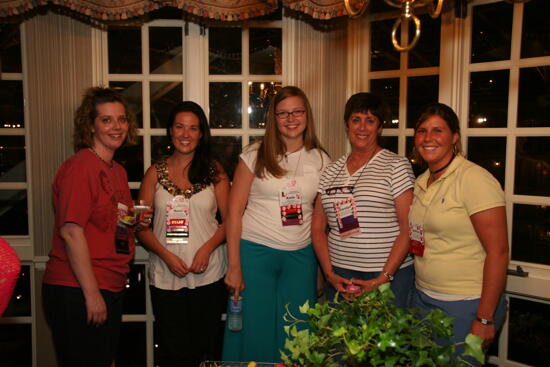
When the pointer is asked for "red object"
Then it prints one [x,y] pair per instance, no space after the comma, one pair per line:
[352,288]
[9,272]
[83,194]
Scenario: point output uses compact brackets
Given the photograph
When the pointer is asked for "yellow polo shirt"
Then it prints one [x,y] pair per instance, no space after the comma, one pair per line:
[453,255]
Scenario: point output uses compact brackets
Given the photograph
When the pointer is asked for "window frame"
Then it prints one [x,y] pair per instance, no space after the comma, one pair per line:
[23,244]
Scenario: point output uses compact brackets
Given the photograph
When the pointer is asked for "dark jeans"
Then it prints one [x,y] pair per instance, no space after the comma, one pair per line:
[76,342]
[463,313]
[188,324]
[402,285]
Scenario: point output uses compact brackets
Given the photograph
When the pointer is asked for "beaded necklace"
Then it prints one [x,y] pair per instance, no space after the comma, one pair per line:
[164,180]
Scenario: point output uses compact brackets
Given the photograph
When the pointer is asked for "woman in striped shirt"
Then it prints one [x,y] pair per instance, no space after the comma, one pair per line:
[364,199]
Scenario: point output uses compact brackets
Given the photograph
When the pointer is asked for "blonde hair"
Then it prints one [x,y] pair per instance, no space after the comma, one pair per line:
[272,148]
[87,112]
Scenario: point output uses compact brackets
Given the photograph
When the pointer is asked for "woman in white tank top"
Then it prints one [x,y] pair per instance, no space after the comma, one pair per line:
[187,258]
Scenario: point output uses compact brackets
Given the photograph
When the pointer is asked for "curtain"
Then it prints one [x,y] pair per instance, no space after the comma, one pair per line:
[224,10]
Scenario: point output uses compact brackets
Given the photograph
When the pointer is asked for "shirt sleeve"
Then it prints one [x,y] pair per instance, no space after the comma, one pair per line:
[323,181]
[249,156]
[402,177]
[480,190]
[328,175]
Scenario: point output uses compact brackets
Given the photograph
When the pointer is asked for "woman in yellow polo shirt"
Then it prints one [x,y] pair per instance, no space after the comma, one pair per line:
[458,231]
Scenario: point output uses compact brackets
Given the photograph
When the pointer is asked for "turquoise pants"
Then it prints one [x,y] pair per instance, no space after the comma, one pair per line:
[272,279]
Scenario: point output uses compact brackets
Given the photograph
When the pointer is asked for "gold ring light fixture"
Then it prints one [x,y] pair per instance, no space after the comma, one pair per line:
[356,8]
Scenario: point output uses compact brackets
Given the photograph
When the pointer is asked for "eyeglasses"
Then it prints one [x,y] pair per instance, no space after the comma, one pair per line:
[339,189]
[283,115]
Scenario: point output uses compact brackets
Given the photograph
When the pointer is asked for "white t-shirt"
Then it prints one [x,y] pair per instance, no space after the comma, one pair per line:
[262,218]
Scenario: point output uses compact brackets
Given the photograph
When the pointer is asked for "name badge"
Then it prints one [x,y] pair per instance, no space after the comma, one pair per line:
[121,233]
[347,217]
[290,202]
[416,234]
[177,221]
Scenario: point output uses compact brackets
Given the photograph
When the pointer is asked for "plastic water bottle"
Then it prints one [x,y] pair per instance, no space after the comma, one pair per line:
[235,315]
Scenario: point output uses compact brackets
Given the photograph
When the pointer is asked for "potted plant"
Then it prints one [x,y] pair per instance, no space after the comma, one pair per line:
[371,331]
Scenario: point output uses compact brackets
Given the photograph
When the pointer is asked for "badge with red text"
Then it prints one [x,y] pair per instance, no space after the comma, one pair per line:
[416,234]
[290,202]
[121,232]
[177,221]
[347,218]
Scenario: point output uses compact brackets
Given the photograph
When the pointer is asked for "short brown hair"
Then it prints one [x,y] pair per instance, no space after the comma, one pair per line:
[364,102]
[87,112]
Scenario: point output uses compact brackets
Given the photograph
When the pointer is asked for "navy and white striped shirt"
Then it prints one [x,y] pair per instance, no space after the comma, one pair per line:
[376,185]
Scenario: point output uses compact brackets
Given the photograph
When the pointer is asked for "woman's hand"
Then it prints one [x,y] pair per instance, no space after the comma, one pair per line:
[200,261]
[81,264]
[487,332]
[234,280]
[175,264]
[143,220]
[96,309]
[339,283]
[371,284]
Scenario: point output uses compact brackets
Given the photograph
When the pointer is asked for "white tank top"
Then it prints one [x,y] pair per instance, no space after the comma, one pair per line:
[202,226]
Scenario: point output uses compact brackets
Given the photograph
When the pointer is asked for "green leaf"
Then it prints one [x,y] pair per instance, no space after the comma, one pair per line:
[368,331]
[305,307]
[474,347]
[384,287]
[339,332]
[354,347]
[317,358]
[385,342]
[422,341]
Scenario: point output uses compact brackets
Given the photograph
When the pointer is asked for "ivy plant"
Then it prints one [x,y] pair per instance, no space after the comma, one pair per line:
[371,331]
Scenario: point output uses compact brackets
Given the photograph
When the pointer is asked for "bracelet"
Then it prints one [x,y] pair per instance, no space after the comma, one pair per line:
[388,275]
[484,321]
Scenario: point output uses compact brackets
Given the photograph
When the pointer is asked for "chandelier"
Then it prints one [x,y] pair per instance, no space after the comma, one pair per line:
[356,8]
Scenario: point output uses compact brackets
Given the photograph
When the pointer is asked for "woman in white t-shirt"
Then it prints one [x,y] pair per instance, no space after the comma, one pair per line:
[187,258]
[271,262]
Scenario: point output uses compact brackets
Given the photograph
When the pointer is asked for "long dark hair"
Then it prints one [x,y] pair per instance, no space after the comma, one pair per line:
[203,168]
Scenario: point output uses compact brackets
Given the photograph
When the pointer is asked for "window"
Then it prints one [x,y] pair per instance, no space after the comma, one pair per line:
[508,129]
[146,65]
[16,323]
[245,71]
[13,167]
[406,80]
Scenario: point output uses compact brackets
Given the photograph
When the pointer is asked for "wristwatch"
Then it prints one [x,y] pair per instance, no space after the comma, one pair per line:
[484,321]
[388,275]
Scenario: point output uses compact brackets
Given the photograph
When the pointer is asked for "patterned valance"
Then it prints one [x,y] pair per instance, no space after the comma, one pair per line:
[224,10]
[318,9]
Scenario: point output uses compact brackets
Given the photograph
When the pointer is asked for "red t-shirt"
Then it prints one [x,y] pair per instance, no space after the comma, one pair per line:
[86,191]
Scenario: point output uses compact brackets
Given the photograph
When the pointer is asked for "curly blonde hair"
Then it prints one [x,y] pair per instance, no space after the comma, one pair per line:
[87,112]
